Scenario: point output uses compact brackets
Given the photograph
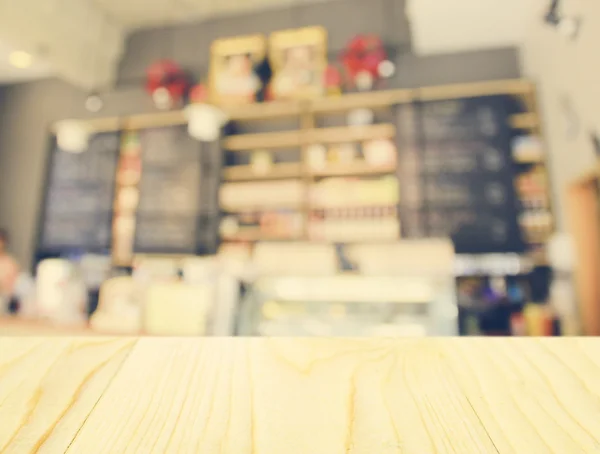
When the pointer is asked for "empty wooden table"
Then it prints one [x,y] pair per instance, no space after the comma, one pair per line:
[88,395]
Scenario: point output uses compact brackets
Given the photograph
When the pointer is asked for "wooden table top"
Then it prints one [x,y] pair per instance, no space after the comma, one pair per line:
[283,396]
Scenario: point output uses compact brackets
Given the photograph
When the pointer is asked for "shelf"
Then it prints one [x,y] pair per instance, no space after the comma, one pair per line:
[357,206]
[369,100]
[258,208]
[155,120]
[174,257]
[473,90]
[351,170]
[524,121]
[532,159]
[263,111]
[277,171]
[251,142]
[290,139]
[369,239]
[345,134]
[345,102]
[257,235]
[537,237]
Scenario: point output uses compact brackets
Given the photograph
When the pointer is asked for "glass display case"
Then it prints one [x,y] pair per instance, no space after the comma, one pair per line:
[350,305]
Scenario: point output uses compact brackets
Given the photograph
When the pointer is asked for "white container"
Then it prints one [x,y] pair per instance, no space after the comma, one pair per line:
[61,294]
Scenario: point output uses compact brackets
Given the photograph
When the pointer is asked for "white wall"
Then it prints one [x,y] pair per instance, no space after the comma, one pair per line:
[446,26]
[563,68]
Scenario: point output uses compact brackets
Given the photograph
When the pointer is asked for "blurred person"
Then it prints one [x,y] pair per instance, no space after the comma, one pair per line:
[9,271]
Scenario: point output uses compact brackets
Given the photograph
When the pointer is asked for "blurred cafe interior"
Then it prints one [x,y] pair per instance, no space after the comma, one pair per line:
[300,168]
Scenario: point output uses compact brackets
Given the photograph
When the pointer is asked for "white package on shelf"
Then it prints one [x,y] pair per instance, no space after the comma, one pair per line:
[304,259]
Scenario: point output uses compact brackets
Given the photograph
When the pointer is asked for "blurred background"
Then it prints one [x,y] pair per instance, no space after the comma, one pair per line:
[299,167]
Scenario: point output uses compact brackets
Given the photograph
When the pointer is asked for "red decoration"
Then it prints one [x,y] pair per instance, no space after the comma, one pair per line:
[168,75]
[269,93]
[198,94]
[333,77]
[363,54]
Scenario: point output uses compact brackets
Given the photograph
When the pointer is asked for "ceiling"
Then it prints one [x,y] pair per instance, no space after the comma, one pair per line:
[82,41]
[75,39]
[148,13]
[9,74]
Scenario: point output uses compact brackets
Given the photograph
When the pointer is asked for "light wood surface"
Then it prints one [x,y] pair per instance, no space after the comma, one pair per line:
[251,142]
[275,172]
[528,120]
[345,134]
[281,396]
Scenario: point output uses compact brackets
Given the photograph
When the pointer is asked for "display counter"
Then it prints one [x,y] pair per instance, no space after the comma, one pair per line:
[403,288]
[350,305]
[273,396]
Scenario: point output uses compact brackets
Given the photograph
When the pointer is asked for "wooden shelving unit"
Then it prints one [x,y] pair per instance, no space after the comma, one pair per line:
[351,169]
[264,111]
[350,134]
[256,235]
[533,159]
[371,100]
[275,172]
[528,120]
[308,134]
[530,123]
[251,142]
[307,112]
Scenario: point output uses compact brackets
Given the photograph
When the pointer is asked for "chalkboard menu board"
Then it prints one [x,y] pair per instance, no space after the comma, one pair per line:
[460,174]
[79,197]
[174,192]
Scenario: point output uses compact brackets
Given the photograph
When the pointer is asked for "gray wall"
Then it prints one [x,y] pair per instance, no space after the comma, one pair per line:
[190,44]
[27,110]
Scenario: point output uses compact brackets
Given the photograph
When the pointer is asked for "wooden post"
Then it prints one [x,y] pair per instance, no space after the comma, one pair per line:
[584,222]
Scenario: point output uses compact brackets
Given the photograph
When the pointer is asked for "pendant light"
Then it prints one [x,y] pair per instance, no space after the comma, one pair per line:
[387,68]
[205,120]
[72,135]
[94,102]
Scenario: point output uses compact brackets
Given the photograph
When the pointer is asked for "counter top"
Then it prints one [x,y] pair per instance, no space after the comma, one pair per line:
[15,326]
[304,396]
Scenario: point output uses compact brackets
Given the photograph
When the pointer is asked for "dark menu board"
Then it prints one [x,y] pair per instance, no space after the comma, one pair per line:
[79,197]
[172,190]
[462,184]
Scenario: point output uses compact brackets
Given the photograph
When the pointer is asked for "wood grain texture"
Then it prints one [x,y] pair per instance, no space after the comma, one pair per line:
[302,396]
[48,387]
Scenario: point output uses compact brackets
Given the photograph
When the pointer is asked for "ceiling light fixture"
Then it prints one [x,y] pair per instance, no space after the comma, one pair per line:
[20,59]
[94,103]
[568,26]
